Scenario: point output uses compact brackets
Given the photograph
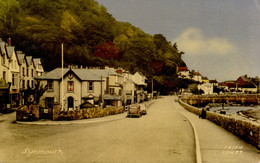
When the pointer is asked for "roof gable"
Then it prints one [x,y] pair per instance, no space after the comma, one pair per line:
[29,60]
[2,47]
[21,58]
[81,74]
[10,51]
[36,61]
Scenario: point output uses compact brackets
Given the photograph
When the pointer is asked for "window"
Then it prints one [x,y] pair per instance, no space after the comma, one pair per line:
[15,81]
[70,86]
[3,59]
[90,86]
[49,101]
[4,75]
[23,84]
[23,72]
[27,71]
[32,72]
[28,84]
[112,90]
[32,84]
[50,85]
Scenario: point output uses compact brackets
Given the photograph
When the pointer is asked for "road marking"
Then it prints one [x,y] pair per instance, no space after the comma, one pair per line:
[197,143]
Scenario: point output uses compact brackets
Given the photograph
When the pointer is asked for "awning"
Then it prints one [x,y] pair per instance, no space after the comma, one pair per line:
[88,97]
[112,97]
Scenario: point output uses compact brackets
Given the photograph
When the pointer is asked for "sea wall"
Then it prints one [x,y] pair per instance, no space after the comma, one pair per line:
[245,129]
[203,100]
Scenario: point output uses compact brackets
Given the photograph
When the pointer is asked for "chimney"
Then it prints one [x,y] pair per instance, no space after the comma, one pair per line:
[119,71]
[9,41]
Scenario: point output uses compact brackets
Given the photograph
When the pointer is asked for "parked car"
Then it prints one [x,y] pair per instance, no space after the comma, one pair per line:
[134,111]
[143,109]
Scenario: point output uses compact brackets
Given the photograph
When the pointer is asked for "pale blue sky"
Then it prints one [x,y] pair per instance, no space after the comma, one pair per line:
[220,38]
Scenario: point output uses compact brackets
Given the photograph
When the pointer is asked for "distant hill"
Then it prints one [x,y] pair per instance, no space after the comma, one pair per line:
[91,37]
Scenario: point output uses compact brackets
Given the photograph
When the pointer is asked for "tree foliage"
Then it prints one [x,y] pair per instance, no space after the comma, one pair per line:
[91,37]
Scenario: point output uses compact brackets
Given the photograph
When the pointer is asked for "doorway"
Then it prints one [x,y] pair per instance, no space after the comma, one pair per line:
[70,103]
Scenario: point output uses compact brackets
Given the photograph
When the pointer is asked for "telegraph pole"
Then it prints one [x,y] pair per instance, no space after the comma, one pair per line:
[62,77]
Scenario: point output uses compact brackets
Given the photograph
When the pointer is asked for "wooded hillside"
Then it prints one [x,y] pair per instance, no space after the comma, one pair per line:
[91,37]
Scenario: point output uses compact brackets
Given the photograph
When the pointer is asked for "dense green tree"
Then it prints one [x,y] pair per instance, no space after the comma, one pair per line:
[91,37]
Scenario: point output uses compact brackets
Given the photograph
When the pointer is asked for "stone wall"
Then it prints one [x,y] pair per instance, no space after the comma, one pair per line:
[203,100]
[25,113]
[245,129]
[86,113]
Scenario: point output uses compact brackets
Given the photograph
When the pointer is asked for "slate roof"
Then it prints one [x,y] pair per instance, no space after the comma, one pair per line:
[82,74]
[54,74]
[29,59]
[10,51]
[20,58]
[2,47]
[36,61]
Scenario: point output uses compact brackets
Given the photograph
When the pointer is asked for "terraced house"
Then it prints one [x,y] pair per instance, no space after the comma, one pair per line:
[17,69]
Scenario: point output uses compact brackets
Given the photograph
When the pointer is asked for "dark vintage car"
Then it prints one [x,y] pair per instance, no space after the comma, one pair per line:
[134,111]
[143,109]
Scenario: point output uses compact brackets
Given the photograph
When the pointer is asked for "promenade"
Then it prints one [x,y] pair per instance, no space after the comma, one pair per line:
[218,145]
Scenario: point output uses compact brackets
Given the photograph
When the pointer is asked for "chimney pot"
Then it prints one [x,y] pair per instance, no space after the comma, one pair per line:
[9,41]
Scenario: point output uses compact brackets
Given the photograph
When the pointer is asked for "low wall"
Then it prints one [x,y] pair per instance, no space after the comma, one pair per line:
[246,130]
[28,113]
[86,113]
[203,100]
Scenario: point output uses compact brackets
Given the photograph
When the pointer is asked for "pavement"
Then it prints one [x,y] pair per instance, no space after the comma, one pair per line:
[216,144]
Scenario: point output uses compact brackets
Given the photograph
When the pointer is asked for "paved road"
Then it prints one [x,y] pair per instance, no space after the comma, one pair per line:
[163,135]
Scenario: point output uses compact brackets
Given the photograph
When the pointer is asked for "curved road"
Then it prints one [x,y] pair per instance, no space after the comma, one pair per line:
[163,135]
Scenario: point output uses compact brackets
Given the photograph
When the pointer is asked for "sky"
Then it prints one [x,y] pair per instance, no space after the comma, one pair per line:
[220,38]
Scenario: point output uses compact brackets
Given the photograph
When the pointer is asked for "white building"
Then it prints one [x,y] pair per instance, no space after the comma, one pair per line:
[207,88]
[17,69]
[140,83]
[78,86]
[197,76]
[4,64]
[183,72]
[38,67]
